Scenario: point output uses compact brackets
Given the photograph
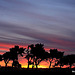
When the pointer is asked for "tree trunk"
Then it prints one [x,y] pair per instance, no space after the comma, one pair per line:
[36,66]
[28,62]
[60,66]
[36,63]
[70,65]
[5,64]
[50,64]
[28,65]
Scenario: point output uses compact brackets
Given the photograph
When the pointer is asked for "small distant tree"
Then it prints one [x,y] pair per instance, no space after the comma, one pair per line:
[6,58]
[66,60]
[59,55]
[63,61]
[71,59]
[54,53]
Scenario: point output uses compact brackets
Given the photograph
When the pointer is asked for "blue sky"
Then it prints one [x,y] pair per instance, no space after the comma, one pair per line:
[51,22]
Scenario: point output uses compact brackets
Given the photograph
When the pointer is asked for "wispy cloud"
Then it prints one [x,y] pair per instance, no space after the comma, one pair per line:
[50,22]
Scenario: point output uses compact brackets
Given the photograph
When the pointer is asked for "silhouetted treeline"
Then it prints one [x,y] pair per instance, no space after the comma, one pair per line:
[35,54]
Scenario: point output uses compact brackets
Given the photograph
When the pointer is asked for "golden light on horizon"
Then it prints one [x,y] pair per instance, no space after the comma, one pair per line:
[39,66]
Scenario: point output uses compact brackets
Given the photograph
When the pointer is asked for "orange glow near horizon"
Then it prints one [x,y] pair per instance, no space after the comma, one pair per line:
[6,47]
[22,61]
[42,66]
[25,65]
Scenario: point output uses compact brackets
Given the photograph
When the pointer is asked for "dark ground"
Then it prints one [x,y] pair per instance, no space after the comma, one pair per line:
[25,70]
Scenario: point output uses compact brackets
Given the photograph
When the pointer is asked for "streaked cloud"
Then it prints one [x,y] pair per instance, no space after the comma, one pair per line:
[51,22]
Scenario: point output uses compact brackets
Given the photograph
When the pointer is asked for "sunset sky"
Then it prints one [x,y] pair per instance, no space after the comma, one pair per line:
[25,22]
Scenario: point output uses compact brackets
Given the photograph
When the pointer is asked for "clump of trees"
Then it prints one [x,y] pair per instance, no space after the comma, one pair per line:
[35,54]
[12,55]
